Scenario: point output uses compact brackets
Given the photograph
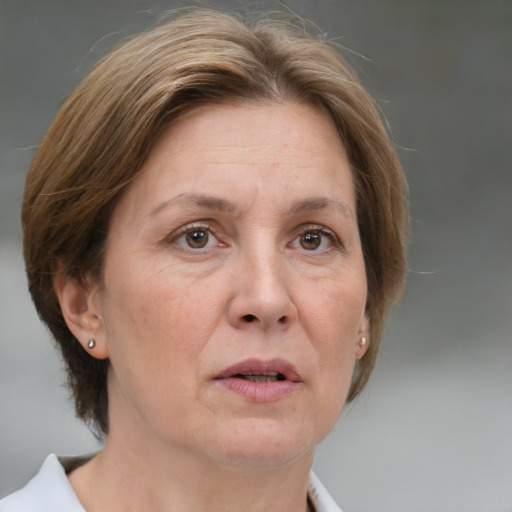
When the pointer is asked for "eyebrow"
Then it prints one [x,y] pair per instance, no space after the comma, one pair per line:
[226,206]
[321,203]
[209,202]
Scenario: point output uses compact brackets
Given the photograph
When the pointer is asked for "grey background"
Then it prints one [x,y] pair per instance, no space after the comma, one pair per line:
[432,431]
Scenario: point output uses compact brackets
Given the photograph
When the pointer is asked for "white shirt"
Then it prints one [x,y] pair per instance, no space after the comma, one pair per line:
[50,491]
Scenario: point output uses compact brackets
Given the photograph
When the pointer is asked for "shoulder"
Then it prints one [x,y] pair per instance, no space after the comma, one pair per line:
[48,491]
[320,497]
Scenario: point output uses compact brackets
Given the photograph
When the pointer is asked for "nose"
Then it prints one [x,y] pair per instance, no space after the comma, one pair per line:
[262,297]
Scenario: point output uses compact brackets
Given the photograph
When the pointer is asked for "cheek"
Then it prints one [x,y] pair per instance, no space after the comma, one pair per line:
[333,320]
[158,315]
[334,314]
[156,329]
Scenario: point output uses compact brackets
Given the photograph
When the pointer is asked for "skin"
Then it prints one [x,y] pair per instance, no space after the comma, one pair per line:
[264,184]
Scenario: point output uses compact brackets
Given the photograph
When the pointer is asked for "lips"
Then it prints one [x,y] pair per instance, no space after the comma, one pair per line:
[260,381]
[278,368]
[261,377]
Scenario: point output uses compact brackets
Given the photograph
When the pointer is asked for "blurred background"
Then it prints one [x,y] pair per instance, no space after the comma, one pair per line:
[432,431]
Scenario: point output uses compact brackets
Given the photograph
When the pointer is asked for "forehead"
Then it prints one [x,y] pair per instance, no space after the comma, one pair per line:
[252,126]
[283,150]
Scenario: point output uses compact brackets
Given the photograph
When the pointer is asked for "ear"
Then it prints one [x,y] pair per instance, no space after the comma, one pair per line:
[363,337]
[80,304]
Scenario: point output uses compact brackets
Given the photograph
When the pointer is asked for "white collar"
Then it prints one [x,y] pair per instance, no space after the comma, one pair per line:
[320,497]
[50,491]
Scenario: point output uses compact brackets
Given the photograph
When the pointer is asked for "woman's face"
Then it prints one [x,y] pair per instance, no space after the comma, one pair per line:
[234,287]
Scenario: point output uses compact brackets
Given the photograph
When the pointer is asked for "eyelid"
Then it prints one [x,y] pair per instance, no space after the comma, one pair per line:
[186,228]
[334,238]
[204,225]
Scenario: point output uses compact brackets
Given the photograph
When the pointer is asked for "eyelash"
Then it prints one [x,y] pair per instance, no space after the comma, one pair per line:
[189,229]
[301,231]
[322,230]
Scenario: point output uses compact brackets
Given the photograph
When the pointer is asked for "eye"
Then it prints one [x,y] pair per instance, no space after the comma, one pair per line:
[315,239]
[310,240]
[196,237]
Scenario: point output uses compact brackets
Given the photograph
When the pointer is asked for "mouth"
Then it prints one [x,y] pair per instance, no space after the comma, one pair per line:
[260,381]
[263,377]
[256,370]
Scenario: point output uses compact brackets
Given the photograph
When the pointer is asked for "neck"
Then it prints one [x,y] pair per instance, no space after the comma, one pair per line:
[129,476]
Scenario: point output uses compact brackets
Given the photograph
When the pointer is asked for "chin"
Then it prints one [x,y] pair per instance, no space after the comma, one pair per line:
[260,445]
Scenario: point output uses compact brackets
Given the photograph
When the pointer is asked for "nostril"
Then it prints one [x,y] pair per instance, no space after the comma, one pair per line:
[282,320]
[249,318]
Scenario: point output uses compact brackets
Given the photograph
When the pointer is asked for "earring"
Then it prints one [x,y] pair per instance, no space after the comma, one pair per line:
[92,343]
[363,341]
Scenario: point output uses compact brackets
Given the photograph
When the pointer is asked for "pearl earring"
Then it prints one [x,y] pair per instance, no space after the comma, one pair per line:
[363,341]
[92,343]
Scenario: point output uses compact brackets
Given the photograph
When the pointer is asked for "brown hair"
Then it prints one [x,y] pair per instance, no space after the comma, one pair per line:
[105,130]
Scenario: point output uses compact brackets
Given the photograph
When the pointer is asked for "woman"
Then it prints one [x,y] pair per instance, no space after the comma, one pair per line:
[214,233]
